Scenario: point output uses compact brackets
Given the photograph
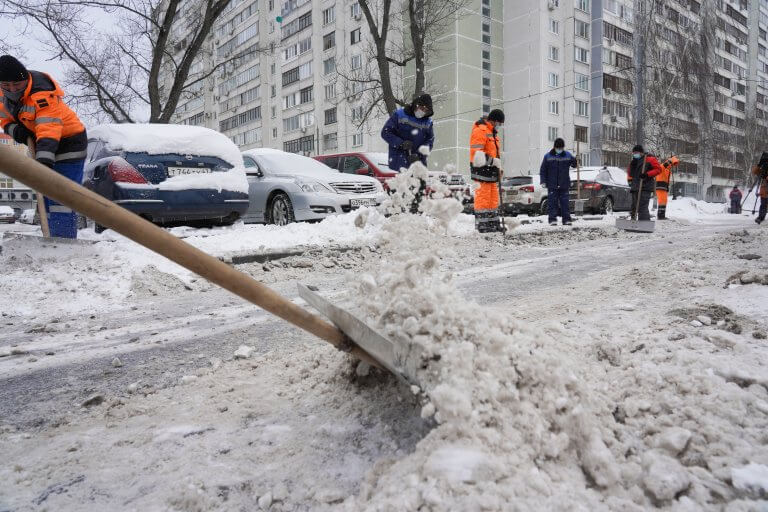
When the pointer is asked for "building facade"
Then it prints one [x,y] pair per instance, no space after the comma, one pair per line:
[13,193]
[279,87]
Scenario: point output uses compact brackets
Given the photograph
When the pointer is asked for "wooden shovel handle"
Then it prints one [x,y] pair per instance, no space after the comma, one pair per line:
[107,213]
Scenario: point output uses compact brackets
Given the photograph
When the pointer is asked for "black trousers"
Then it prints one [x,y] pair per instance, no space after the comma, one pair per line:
[645,198]
[763,208]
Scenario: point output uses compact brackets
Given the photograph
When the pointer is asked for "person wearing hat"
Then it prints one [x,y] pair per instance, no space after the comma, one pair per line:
[555,175]
[760,171]
[32,106]
[735,197]
[643,169]
[485,163]
[407,130]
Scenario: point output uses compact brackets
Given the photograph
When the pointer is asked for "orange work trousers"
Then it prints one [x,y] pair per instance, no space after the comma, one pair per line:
[661,197]
[487,197]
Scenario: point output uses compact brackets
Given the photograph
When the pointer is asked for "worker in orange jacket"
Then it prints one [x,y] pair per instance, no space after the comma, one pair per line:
[485,162]
[662,185]
[32,107]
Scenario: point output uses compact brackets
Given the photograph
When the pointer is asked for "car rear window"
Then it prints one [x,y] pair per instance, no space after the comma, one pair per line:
[516,181]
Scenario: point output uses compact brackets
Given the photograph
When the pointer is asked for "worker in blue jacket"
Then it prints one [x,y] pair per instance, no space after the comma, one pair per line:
[407,130]
[555,174]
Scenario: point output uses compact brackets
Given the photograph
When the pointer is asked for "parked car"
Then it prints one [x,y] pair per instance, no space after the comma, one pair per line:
[376,165]
[286,187]
[605,190]
[29,216]
[167,173]
[7,215]
[524,194]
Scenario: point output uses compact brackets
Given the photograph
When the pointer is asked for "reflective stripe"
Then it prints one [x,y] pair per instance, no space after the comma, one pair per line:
[484,211]
[27,108]
[662,185]
[74,155]
[3,115]
[405,120]
[12,129]
[477,146]
[46,155]
[57,208]
[45,120]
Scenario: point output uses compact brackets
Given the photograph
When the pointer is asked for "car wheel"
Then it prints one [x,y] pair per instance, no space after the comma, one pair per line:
[281,210]
[607,206]
[543,208]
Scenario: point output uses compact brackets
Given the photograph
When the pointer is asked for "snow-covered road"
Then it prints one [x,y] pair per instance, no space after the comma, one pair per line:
[181,425]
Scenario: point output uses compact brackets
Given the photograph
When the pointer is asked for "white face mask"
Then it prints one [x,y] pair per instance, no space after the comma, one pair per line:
[419,114]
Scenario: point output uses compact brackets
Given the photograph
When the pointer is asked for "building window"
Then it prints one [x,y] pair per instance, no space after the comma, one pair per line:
[553,79]
[582,29]
[581,81]
[329,15]
[582,5]
[357,113]
[273,91]
[354,10]
[554,26]
[330,116]
[552,133]
[274,112]
[329,65]
[581,55]
[6,183]
[582,108]
[274,133]
[306,95]
[303,145]
[330,91]
[357,139]
[554,53]
[331,141]
[355,36]
[356,62]
[329,41]
[554,107]
[580,133]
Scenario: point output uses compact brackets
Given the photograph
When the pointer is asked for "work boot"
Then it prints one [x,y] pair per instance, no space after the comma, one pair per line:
[567,223]
[553,223]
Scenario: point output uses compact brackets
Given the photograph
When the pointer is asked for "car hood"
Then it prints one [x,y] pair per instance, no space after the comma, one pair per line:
[324,176]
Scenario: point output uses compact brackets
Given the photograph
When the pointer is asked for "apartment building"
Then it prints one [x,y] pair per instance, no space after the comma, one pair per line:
[569,72]
[280,87]
[13,193]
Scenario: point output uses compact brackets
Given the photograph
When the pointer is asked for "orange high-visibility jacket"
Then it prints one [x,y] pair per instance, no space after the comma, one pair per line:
[58,133]
[484,138]
[663,178]
[764,184]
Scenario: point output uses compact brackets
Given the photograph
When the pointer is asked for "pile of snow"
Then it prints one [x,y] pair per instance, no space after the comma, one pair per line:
[157,139]
[233,180]
[689,208]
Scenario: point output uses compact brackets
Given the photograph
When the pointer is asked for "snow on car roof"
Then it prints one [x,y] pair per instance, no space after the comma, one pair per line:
[158,139]
[6,209]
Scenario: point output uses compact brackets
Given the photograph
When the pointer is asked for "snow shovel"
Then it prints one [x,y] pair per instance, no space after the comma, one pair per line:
[632,223]
[40,200]
[354,340]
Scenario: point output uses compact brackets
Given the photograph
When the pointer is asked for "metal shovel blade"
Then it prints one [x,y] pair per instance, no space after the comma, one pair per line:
[384,351]
[638,226]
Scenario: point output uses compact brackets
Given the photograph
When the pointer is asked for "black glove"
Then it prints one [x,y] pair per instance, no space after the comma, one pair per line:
[20,133]
[644,175]
[413,157]
[406,145]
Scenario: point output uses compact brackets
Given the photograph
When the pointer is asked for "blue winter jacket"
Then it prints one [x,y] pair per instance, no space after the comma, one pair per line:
[402,126]
[555,170]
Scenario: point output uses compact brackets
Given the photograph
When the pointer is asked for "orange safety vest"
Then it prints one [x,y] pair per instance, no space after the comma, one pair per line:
[663,178]
[485,139]
[59,134]
[764,185]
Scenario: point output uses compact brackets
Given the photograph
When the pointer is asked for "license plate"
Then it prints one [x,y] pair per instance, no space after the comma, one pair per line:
[362,202]
[513,192]
[181,171]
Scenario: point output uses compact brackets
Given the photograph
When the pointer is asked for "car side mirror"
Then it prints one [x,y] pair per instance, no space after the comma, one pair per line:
[364,171]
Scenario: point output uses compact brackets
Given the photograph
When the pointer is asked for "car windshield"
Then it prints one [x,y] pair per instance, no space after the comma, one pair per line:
[516,181]
[289,163]
[381,160]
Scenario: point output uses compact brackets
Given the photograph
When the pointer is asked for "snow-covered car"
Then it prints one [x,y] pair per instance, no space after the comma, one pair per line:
[7,215]
[286,187]
[604,189]
[524,194]
[168,173]
[29,216]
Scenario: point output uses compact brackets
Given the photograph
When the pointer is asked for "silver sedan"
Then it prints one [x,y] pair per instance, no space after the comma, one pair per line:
[285,187]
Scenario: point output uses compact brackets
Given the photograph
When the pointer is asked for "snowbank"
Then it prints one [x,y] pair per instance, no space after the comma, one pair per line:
[689,208]
[168,138]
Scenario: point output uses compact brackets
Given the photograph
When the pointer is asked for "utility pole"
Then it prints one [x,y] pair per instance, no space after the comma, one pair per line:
[643,18]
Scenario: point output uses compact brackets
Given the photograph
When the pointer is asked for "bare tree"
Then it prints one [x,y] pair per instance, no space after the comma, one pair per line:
[404,35]
[755,140]
[115,73]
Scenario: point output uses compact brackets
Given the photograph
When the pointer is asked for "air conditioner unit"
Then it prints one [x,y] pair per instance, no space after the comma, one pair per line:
[608,90]
[613,119]
[551,4]
[610,42]
[303,129]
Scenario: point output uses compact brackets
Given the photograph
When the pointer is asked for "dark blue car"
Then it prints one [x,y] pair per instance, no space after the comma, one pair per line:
[136,181]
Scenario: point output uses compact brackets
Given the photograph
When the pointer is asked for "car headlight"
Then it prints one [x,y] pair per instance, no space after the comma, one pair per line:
[313,186]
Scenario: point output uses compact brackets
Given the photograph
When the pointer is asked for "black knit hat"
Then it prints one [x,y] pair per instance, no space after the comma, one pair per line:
[11,70]
[424,100]
[638,149]
[559,143]
[496,115]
